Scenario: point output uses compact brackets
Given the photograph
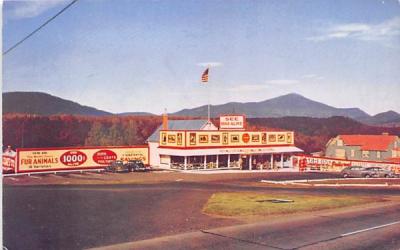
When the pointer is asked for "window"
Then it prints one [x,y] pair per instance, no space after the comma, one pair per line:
[339,142]
[340,153]
[365,154]
[378,154]
[352,153]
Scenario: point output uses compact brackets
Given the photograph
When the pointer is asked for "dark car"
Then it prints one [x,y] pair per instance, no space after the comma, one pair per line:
[361,172]
[136,165]
[381,173]
[117,167]
[356,171]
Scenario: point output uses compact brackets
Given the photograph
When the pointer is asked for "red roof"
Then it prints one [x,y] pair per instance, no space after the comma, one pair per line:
[369,142]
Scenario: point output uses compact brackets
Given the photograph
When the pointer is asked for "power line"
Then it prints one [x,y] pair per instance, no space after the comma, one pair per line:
[39,28]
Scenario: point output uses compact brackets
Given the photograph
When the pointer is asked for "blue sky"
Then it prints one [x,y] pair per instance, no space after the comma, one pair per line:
[125,55]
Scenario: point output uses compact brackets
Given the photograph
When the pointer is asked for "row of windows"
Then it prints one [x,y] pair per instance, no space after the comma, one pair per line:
[364,153]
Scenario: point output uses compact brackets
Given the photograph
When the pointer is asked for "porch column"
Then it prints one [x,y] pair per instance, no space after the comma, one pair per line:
[272,161]
[291,161]
[205,161]
[185,163]
[229,161]
[250,162]
[282,160]
[217,163]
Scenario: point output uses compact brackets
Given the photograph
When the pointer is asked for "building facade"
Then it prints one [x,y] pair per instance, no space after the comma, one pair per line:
[199,144]
[383,147]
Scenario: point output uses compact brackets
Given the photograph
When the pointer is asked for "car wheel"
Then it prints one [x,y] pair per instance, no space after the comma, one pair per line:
[345,175]
[387,176]
[367,176]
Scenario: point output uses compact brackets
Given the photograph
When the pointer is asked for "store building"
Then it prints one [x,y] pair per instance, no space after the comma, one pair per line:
[199,144]
[383,147]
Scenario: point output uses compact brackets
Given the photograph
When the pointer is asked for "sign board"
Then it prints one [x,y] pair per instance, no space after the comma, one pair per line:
[232,122]
[224,138]
[8,163]
[53,159]
[333,164]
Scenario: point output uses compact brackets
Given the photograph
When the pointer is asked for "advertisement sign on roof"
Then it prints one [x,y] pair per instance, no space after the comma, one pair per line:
[232,122]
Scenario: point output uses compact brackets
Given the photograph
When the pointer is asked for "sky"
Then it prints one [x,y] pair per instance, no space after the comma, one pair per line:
[140,55]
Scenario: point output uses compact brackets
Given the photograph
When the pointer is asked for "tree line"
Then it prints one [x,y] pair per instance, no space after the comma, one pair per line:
[30,131]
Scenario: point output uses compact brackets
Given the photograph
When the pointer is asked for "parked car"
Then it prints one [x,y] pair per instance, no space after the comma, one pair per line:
[117,167]
[136,165]
[361,172]
[382,173]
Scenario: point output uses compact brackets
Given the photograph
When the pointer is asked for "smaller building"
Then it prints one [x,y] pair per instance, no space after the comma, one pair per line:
[364,147]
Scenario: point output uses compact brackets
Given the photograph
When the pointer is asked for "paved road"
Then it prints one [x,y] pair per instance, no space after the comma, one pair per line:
[373,229]
[77,217]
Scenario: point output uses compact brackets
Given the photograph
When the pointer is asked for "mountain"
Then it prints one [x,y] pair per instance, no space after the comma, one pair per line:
[385,118]
[136,114]
[293,105]
[286,105]
[44,104]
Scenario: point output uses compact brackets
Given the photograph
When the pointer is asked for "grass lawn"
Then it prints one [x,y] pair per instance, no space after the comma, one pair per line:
[248,204]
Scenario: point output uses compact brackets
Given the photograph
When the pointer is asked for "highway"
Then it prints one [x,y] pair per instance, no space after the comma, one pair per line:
[89,216]
[377,228]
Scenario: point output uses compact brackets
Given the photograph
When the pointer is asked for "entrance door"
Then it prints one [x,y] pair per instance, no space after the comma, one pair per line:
[245,159]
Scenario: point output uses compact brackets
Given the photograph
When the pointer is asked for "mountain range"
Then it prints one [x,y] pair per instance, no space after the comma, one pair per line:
[282,106]
[44,104]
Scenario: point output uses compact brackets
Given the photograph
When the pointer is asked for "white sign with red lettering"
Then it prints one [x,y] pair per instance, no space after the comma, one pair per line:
[51,159]
[231,122]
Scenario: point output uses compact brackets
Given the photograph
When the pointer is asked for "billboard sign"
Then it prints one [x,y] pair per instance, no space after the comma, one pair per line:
[333,164]
[53,159]
[232,122]
[8,163]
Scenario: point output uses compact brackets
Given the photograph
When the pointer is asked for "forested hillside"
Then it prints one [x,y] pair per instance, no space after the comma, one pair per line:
[311,134]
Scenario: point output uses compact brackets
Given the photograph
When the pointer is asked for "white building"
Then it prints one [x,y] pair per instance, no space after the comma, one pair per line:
[199,144]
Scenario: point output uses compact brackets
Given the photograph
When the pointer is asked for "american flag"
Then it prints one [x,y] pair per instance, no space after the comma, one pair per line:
[204,76]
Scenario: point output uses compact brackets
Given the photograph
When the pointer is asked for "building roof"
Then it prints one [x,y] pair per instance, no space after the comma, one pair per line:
[369,142]
[178,125]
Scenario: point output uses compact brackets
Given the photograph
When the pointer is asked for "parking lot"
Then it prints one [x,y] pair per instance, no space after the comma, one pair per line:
[159,176]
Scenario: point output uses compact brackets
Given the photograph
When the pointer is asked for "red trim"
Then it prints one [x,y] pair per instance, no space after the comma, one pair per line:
[58,169]
[8,156]
[243,146]
[77,148]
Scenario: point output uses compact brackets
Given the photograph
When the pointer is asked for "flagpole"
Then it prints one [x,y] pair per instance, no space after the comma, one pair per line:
[205,80]
[208,90]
